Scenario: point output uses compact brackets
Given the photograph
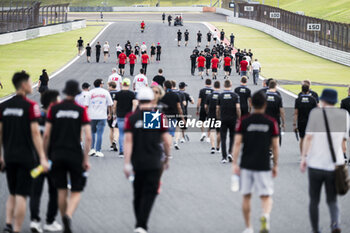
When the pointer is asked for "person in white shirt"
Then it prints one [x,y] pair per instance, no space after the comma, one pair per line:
[115,77]
[140,80]
[143,47]
[83,98]
[256,71]
[105,51]
[119,49]
[99,102]
[323,150]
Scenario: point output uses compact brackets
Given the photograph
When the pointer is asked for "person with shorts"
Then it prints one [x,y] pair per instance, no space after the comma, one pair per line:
[105,52]
[158,52]
[227,65]
[80,46]
[115,77]
[209,36]
[119,49]
[137,49]
[302,108]
[215,36]
[187,37]
[132,62]
[112,122]
[201,112]
[128,48]
[153,52]
[257,132]
[124,102]
[199,38]
[208,58]
[179,37]
[187,99]
[228,111]
[245,95]
[48,98]
[210,107]
[122,60]
[143,48]
[201,62]
[139,81]
[66,123]
[88,53]
[22,144]
[144,60]
[214,66]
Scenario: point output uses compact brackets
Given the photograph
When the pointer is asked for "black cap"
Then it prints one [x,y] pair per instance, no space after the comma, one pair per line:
[182,85]
[71,88]
[85,86]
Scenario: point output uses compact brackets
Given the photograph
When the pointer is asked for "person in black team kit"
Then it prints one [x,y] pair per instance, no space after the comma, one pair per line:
[48,98]
[228,111]
[210,106]
[187,99]
[302,108]
[158,51]
[143,158]
[98,51]
[208,58]
[199,38]
[66,123]
[275,106]
[209,36]
[222,35]
[80,45]
[159,78]
[163,17]
[193,59]
[88,53]
[169,19]
[345,103]
[187,37]
[311,92]
[128,48]
[179,37]
[237,59]
[244,95]
[21,140]
[232,40]
[203,93]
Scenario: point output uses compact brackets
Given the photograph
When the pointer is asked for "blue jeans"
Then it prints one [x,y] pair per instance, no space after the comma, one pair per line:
[172,126]
[255,76]
[121,122]
[97,126]
[243,73]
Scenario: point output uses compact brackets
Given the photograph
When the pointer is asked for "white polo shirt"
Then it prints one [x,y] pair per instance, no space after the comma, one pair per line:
[83,98]
[256,65]
[140,80]
[98,102]
[115,77]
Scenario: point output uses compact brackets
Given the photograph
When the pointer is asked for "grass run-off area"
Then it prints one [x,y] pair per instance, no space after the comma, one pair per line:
[123,2]
[334,10]
[49,52]
[284,62]
[342,91]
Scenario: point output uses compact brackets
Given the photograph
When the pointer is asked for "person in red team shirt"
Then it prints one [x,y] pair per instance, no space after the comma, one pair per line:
[132,61]
[145,61]
[143,26]
[201,62]
[214,66]
[243,66]
[227,66]
[122,60]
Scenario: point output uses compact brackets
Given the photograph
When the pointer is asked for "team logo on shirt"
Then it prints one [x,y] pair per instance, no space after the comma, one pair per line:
[151,120]
[270,98]
[227,96]
[18,112]
[67,114]
[305,100]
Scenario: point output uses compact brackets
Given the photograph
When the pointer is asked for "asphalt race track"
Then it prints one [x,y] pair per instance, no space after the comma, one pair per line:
[196,194]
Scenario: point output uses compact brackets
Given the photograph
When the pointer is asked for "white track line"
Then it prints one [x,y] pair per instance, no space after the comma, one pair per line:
[261,77]
[67,65]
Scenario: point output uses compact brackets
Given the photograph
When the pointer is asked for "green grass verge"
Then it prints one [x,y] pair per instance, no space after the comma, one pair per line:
[123,2]
[342,91]
[282,61]
[334,10]
[49,52]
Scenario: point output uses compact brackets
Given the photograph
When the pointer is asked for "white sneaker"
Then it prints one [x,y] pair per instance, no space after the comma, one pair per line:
[99,154]
[36,227]
[202,137]
[208,140]
[229,158]
[182,140]
[248,230]
[140,230]
[176,146]
[55,226]
[212,151]
[92,152]
[223,161]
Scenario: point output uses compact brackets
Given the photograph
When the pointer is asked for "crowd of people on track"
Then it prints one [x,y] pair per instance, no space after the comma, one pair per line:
[63,135]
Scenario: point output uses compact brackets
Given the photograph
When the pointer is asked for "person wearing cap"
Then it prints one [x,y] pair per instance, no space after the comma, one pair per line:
[83,97]
[140,80]
[159,51]
[99,104]
[187,99]
[48,98]
[143,157]
[22,144]
[66,121]
[143,47]
[317,155]
[124,102]
[115,77]
[159,78]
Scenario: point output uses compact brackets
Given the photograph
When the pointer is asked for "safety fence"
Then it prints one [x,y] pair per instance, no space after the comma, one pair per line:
[327,33]
[16,16]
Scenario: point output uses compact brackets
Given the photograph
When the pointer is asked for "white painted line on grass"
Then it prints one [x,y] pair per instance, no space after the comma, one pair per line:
[67,65]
